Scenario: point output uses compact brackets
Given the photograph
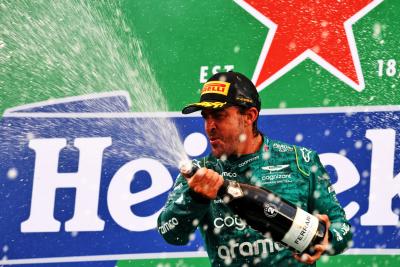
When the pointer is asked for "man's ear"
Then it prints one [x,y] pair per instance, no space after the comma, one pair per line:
[251,115]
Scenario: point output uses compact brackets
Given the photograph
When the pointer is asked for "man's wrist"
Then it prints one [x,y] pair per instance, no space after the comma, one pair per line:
[198,197]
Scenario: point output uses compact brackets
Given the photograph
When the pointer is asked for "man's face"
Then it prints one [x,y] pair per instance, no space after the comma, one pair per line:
[225,129]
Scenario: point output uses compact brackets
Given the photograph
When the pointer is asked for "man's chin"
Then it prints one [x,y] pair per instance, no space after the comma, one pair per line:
[218,152]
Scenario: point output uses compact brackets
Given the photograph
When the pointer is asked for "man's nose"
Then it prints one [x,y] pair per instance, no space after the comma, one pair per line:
[210,123]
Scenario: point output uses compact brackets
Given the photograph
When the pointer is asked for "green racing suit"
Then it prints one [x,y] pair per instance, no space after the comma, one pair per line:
[292,172]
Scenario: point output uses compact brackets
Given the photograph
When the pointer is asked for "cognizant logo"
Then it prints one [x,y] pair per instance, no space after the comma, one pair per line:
[230,221]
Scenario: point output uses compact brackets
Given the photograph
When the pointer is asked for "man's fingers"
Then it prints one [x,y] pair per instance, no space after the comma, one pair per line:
[319,248]
[304,258]
[325,219]
[297,257]
[200,173]
[206,182]
[215,184]
[218,181]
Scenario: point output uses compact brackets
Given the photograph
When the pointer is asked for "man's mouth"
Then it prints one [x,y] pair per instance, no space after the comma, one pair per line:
[214,141]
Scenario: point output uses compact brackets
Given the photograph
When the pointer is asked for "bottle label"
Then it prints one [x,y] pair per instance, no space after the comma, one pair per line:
[302,231]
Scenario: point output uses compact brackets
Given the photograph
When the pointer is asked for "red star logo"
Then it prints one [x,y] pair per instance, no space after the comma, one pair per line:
[317,29]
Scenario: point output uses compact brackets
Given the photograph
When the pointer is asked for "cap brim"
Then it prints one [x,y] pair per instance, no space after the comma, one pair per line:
[203,105]
[190,109]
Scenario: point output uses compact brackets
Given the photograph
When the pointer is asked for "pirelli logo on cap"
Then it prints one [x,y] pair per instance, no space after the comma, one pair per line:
[215,87]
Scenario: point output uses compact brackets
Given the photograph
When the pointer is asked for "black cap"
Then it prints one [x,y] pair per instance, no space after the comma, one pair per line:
[226,89]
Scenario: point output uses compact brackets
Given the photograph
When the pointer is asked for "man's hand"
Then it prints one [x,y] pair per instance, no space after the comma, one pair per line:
[320,248]
[206,182]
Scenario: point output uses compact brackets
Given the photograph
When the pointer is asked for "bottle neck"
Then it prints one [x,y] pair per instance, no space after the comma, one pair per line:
[230,189]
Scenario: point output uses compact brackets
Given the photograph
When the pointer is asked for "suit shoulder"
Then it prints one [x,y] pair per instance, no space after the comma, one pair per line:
[303,156]
[279,146]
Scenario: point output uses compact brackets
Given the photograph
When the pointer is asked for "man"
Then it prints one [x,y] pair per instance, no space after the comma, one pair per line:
[230,107]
